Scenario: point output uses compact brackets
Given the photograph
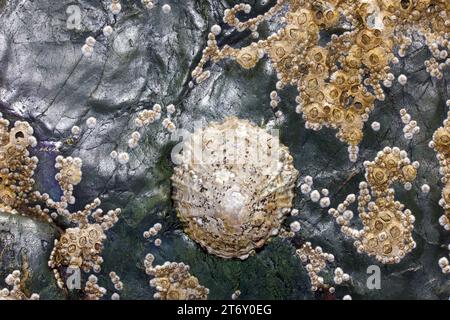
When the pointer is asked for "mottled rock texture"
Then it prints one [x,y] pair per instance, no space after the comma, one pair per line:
[45,80]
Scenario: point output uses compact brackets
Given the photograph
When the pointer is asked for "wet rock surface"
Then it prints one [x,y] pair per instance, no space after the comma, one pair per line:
[45,80]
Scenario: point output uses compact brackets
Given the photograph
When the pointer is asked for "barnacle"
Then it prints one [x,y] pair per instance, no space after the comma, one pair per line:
[173,281]
[15,292]
[338,81]
[441,144]
[233,187]
[388,226]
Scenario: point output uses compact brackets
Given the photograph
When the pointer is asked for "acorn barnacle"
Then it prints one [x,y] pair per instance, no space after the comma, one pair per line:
[233,187]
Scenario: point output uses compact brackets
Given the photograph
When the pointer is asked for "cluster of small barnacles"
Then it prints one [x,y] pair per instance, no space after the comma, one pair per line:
[316,261]
[441,144]
[115,7]
[145,118]
[92,291]
[118,285]
[153,232]
[173,281]
[411,128]
[321,197]
[17,168]
[15,292]
[339,81]
[387,232]
[80,247]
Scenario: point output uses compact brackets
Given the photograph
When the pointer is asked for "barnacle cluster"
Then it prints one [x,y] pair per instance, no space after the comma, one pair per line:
[387,232]
[173,281]
[316,261]
[233,187]
[441,144]
[337,80]
[80,247]
[92,291]
[17,167]
[15,292]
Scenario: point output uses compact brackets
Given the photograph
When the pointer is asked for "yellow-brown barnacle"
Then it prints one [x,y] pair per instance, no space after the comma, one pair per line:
[93,234]
[313,112]
[339,79]
[385,216]
[336,115]
[7,196]
[327,111]
[352,118]
[442,140]
[446,194]
[439,25]
[192,282]
[387,248]
[395,232]
[377,176]
[64,239]
[318,17]
[372,242]
[331,17]
[318,55]
[248,57]
[357,107]
[312,82]
[409,172]
[163,283]
[378,225]
[312,29]
[19,137]
[352,135]
[319,96]
[354,57]
[406,5]
[4,138]
[73,174]
[279,50]
[366,98]
[424,4]
[72,248]
[389,5]
[375,59]
[176,294]
[294,33]
[391,162]
[368,39]
[82,242]
[301,17]
[364,11]
[332,93]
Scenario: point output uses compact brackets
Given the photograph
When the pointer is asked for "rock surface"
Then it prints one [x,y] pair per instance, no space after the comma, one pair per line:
[45,80]
[25,245]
